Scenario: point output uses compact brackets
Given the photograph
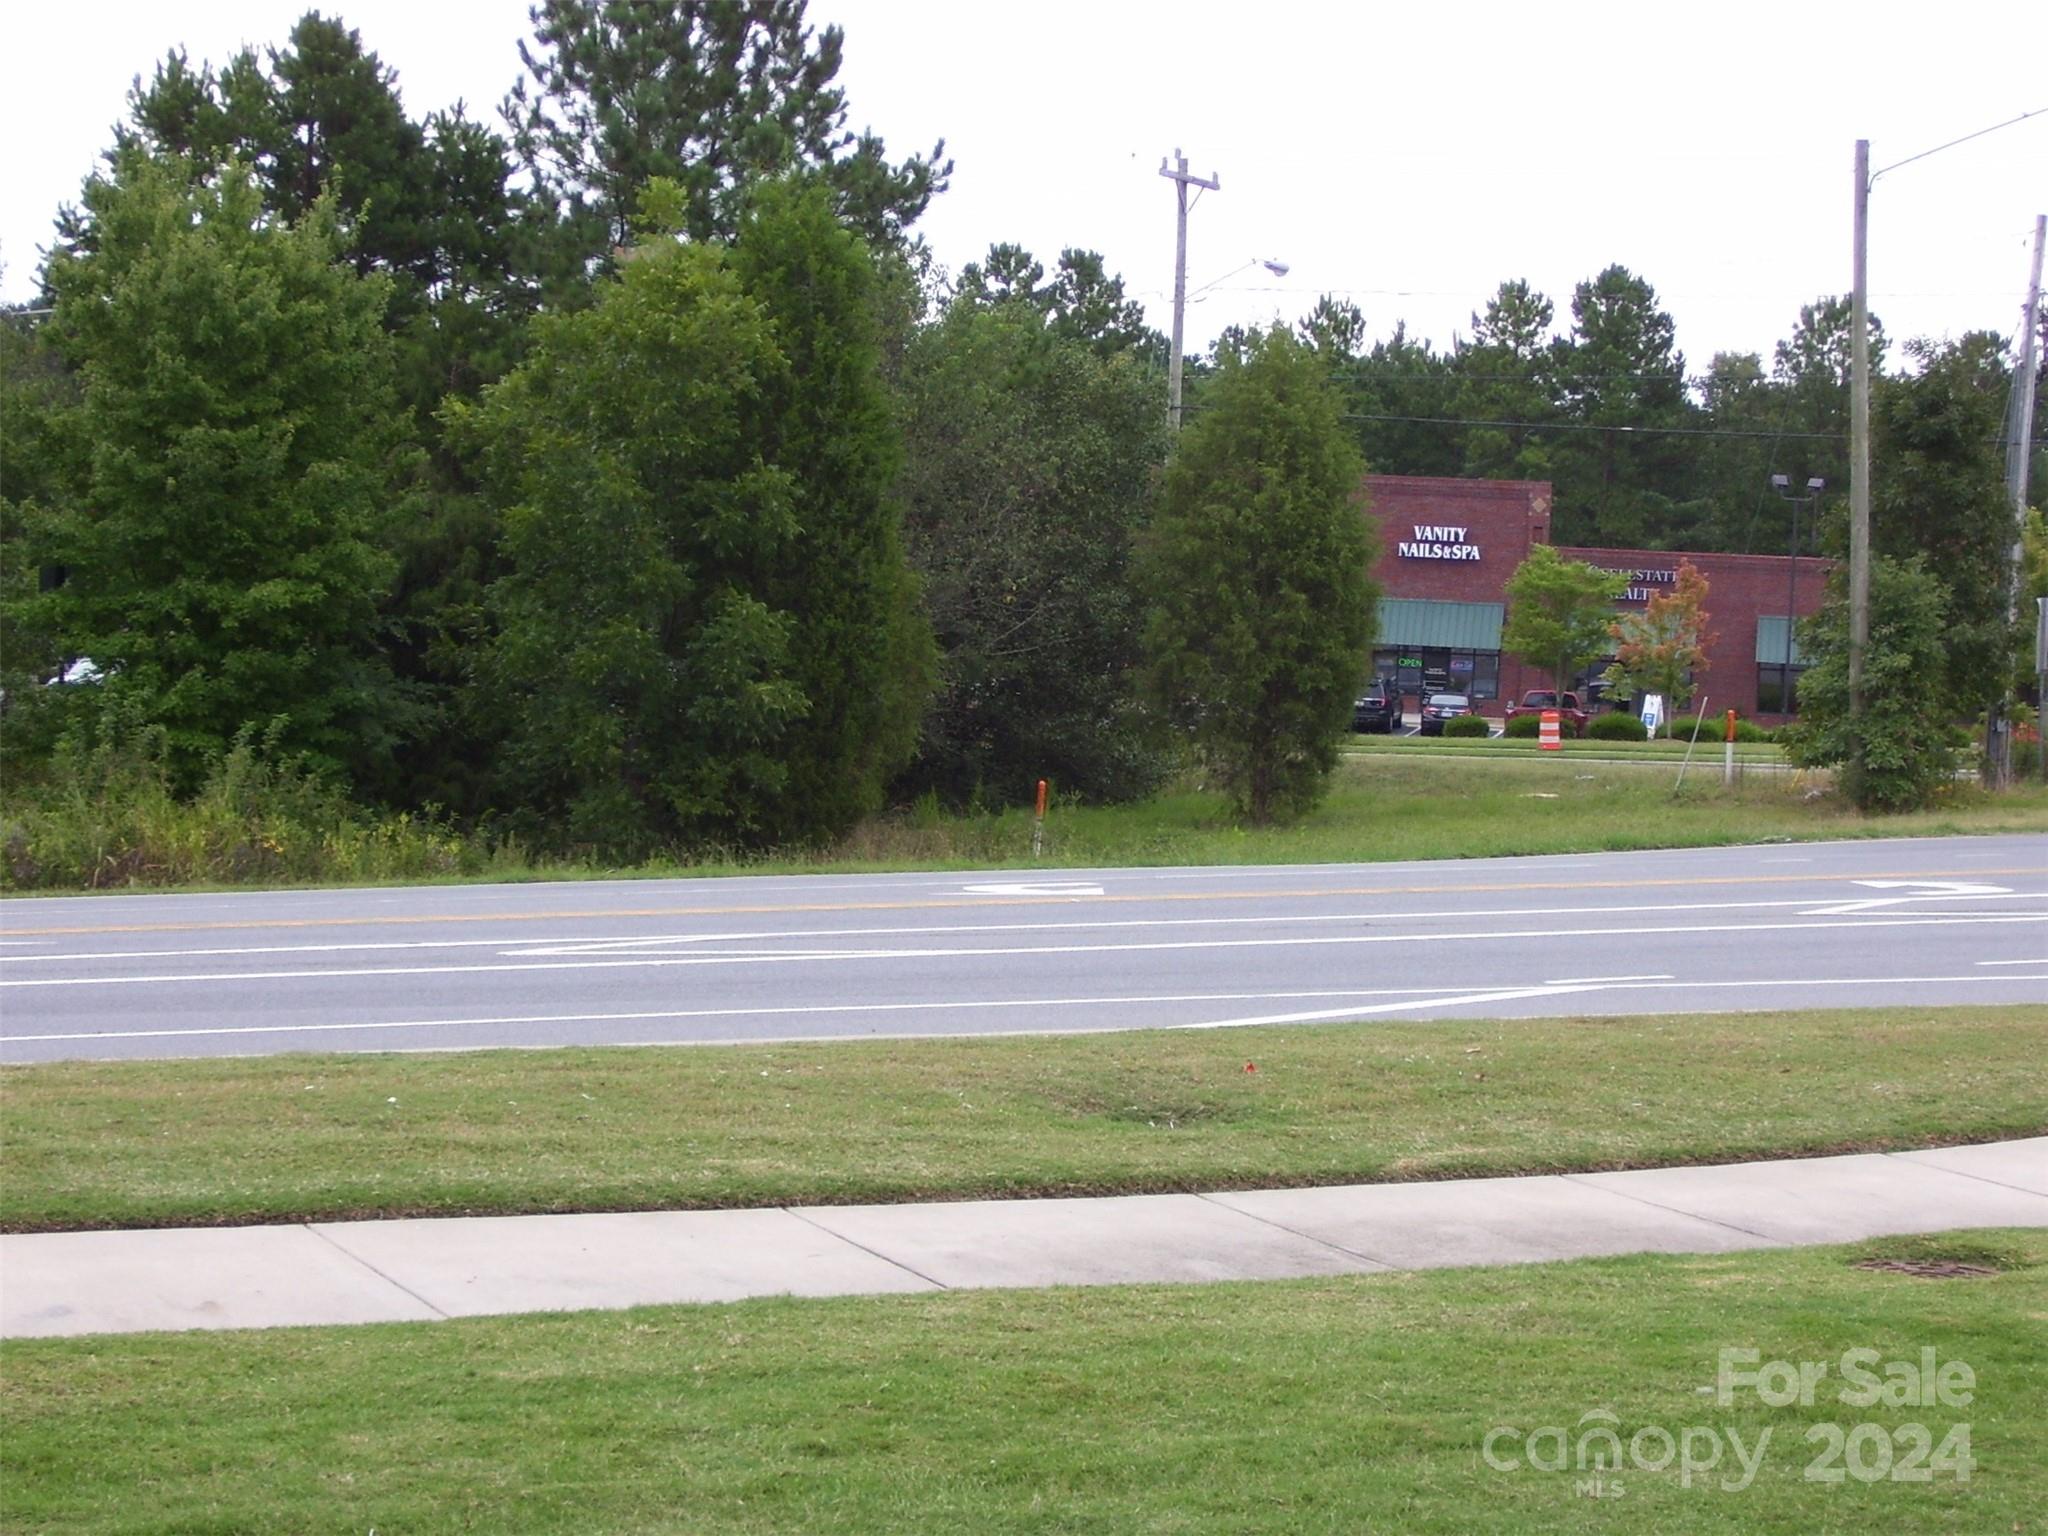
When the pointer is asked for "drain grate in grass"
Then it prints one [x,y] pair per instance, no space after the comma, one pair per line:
[1930,1269]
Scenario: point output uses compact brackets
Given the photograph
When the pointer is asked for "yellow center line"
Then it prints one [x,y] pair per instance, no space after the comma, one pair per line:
[963,902]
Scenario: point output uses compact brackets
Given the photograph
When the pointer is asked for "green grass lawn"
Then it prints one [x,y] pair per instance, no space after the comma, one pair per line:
[1663,749]
[1362,1404]
[1403,803]
[1388,801]
[340,1136]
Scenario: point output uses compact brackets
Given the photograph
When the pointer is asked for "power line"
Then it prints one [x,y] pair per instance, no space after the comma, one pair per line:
[1587,426]
[1580,426]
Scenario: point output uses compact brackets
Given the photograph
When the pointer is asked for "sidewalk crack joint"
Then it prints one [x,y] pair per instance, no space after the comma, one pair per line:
[1675,1210]
[908,1269]
[1307,1237]
[390,1280]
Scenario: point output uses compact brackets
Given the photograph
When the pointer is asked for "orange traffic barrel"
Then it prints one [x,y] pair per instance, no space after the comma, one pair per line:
[1550,740]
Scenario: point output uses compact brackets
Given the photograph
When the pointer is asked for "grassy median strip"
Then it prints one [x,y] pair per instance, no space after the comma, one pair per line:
[344,1136]
[1439,1402]
[1388,801]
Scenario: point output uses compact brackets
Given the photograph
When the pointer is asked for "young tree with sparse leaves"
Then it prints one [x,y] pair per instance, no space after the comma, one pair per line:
[1560,613]
[1257,566]
[1659,649]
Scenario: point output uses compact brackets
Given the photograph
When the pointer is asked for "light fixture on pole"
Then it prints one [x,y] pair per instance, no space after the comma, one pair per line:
[1782,484]
[1272,264]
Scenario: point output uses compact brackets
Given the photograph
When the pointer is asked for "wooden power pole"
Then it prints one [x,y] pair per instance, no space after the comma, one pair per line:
[1182,181]
[1859,453]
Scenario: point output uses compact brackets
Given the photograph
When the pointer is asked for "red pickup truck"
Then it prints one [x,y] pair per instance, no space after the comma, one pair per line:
[1571,718]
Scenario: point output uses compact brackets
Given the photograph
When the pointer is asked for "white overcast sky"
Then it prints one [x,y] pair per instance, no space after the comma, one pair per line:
[1410,157]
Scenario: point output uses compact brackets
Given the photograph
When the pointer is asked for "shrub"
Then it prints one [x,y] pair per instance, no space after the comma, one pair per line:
[1617,728]
[1714,728]
[1524,726]
[1468,725]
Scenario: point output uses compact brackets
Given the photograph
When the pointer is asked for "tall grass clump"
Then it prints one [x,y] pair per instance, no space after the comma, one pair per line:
[106,813]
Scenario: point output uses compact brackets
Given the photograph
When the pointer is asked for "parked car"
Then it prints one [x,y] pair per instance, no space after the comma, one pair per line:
[1377,709]
[1571,715]
[1440,707]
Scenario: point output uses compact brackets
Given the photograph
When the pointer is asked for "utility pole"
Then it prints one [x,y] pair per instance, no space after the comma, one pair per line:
[2019,447]
[1859,425]
[2020,441]
[1859,456]
[1182,181]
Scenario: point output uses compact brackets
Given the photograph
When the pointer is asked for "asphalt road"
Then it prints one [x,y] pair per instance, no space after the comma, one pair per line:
[1924,921]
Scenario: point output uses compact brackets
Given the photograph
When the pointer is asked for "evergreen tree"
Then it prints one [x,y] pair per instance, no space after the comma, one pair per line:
[862,648]
[713,95]
[1028,473]
[707,631]
[222,550]
[41,436]
[1083,302]
[1506,374]
[1735,508]
[1257,566]
[1621,376]
[1938,492]
[1904,735]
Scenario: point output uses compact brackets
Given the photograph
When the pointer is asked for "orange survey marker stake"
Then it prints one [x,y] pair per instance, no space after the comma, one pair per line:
[1038,825]
[1549,739]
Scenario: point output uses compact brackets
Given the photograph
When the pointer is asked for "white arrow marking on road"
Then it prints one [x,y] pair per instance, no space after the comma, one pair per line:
[1921,890]
[1035,888]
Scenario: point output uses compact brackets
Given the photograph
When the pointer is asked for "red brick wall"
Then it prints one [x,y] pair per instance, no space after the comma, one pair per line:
[1505,518]
[1739,589]
[1502,517]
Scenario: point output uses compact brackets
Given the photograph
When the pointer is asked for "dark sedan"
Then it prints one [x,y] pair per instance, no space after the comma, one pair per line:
[1440,707]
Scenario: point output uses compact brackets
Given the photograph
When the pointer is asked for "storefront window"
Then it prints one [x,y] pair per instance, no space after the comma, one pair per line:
[1485,675]
[1772,696]
[1424,670]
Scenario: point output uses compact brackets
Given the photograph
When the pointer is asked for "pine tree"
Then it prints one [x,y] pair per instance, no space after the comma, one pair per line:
[713,95]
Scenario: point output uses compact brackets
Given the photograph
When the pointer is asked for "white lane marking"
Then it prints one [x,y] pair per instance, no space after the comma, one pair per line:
[772,1011]
[1035,888]
[1441,997]
[600,946]
[2040,960]
[1324,1014]
[1587,981]
[785,957]
[1920,890]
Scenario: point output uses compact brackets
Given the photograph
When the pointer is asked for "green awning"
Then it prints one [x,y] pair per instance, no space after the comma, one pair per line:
[1770,642]
[1414,621]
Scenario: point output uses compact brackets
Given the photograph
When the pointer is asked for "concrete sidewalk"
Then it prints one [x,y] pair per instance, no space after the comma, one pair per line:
[394,1271]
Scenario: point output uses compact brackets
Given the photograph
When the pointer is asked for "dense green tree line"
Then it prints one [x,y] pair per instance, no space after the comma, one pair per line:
[624,470]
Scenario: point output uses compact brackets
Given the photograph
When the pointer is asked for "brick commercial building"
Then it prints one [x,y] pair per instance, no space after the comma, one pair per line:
[1449,547]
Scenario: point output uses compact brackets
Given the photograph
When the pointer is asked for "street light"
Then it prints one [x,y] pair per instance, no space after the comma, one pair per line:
[1782,484]
[1272,264]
